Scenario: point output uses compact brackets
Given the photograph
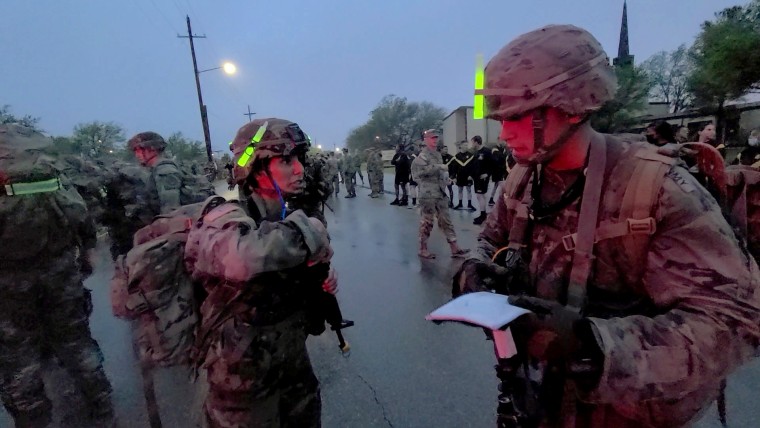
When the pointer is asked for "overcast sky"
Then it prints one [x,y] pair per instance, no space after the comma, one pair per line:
[324,64]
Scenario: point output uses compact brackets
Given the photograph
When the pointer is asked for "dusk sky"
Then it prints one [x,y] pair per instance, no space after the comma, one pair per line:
[324,64]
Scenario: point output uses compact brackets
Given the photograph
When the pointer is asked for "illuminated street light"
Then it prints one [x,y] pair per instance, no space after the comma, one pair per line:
[319,146]
[337,150]
[229,68]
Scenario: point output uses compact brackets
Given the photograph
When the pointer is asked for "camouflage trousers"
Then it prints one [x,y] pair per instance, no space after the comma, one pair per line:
[261,376]
[47,309]
[336,184]
[376,181]
[430,210]
[350,181]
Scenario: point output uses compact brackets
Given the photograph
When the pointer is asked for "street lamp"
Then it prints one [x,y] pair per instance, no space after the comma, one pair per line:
[319,146]
[228,67]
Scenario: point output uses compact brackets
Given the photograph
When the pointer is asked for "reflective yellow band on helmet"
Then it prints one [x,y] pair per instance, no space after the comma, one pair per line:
[30,188]
[478,105]
[248,153]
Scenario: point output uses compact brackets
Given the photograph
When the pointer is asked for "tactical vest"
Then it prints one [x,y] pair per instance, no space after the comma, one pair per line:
[616,221]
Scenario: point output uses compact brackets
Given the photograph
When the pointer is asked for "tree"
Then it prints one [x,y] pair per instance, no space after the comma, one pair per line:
[668,73]
[7,117]
[726,59]
[185,150]
[630,101]
[97,138]
[395,121]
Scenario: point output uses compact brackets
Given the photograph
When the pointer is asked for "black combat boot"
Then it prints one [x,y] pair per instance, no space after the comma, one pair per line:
[459,206]
[404,202]
[491,202]
[480,219]
[396,202]
[470,207]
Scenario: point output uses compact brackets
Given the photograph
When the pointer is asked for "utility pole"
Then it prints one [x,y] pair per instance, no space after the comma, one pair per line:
[204,115]
[249,114]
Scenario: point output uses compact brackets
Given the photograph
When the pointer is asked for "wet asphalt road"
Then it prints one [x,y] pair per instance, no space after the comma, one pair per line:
[402,372]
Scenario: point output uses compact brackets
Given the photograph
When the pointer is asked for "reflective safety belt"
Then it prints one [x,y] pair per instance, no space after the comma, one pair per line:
[15,189]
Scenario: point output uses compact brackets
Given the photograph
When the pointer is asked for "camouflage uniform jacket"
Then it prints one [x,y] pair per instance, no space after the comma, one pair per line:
[430,173]
[165,186]
[251,262]
[350,164]
[671,325]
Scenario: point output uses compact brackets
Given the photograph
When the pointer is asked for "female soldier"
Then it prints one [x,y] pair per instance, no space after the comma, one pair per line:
[258,261]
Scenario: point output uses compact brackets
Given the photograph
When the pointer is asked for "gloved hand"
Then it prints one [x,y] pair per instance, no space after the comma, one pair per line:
[231,186]
[477,275]
[547,332]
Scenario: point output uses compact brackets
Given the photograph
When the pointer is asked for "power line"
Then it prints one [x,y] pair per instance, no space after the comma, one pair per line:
[168,22]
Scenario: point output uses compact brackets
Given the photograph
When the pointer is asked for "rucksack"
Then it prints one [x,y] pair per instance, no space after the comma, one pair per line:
[152,286]
[743,202]
[195,188]
[40,213]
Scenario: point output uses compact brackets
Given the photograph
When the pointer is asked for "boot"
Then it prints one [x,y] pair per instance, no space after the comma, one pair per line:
[491,202]
[425,254]
[480,219]
[414,201]
[396,202]
[470,207]
[451,203]
[456,251]
[404,202]
[459,206]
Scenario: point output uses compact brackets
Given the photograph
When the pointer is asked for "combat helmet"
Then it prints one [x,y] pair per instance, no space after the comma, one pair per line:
[560,66]
[147,139]
[265,138]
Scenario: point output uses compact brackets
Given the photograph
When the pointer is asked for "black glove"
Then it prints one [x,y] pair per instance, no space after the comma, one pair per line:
[555,332]
[477,275]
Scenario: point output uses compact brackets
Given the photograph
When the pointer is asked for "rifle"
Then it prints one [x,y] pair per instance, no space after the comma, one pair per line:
[493,313]
[324,308]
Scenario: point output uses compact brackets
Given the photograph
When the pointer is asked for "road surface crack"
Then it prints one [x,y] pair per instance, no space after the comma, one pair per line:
[377,400]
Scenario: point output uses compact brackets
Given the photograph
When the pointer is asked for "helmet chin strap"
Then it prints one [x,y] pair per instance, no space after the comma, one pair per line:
[542,152]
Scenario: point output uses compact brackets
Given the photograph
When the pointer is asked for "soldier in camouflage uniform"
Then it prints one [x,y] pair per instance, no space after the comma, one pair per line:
[47,233]
[350,168]
[252,340]
[375,173]
[641,293]
[432,175]
[166,178]
[334,175]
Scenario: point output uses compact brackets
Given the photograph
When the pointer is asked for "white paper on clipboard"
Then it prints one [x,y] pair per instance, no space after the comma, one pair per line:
[488,310]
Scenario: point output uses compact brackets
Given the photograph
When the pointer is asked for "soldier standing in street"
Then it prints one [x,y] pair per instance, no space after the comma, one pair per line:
[403,167]
[448,160]
[642,298]
[334,172]
[498,169]
[374,173]
[252,341]
[482,164]
[431,175]
[350,168]
[460,168]
[47,235]
[166,178]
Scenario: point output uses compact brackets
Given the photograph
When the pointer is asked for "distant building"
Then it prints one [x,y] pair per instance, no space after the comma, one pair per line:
[459,125]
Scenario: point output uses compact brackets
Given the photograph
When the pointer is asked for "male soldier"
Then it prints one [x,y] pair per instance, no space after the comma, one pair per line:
[498,169]
[46,234]
[480,173]
[642,295]
[252,339]
[166,179]
[333,172]
[374,173]
[350,168]
[414,151]
[430,172]
[461,168]
[448,160]
[403,167]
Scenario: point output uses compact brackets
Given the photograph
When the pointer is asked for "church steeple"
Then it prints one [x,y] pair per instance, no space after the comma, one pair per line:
[624,57]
